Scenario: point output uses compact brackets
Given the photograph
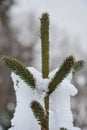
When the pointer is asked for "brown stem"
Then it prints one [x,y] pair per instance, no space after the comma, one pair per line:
[45,60]
[46,100]
[44,128]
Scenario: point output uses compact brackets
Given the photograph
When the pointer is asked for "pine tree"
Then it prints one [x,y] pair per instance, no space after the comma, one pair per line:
[18,68]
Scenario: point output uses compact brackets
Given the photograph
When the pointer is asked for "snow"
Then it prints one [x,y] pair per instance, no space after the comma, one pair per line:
[23,116]
[60,105]
[60,114]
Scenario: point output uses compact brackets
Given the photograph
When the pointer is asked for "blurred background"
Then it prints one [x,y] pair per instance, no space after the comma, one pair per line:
[20,38]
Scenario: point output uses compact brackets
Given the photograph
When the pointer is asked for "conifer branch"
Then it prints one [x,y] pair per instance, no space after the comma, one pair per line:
[19,69]
[61,73]
[39,113]
[44,31]
[78,65]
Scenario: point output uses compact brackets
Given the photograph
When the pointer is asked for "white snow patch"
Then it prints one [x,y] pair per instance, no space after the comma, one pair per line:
[60,107]
[60,114]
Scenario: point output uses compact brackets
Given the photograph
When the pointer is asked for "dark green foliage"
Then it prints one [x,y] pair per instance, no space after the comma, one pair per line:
[45,44]
[78,65]
[61,73]
[6,4]
[63,129]
[19,69]
[39,113]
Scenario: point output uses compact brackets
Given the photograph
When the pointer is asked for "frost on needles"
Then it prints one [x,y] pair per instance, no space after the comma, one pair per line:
[43,99]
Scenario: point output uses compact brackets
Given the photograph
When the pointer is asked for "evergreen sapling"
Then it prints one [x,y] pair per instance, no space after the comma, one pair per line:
[26,76]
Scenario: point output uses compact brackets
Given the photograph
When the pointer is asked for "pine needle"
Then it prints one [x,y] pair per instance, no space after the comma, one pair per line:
[39,113]
[63,71]
[44,31]
[19,69]
[78,65]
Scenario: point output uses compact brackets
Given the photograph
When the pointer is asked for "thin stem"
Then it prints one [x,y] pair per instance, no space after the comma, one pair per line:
[46,100]
[45,58]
